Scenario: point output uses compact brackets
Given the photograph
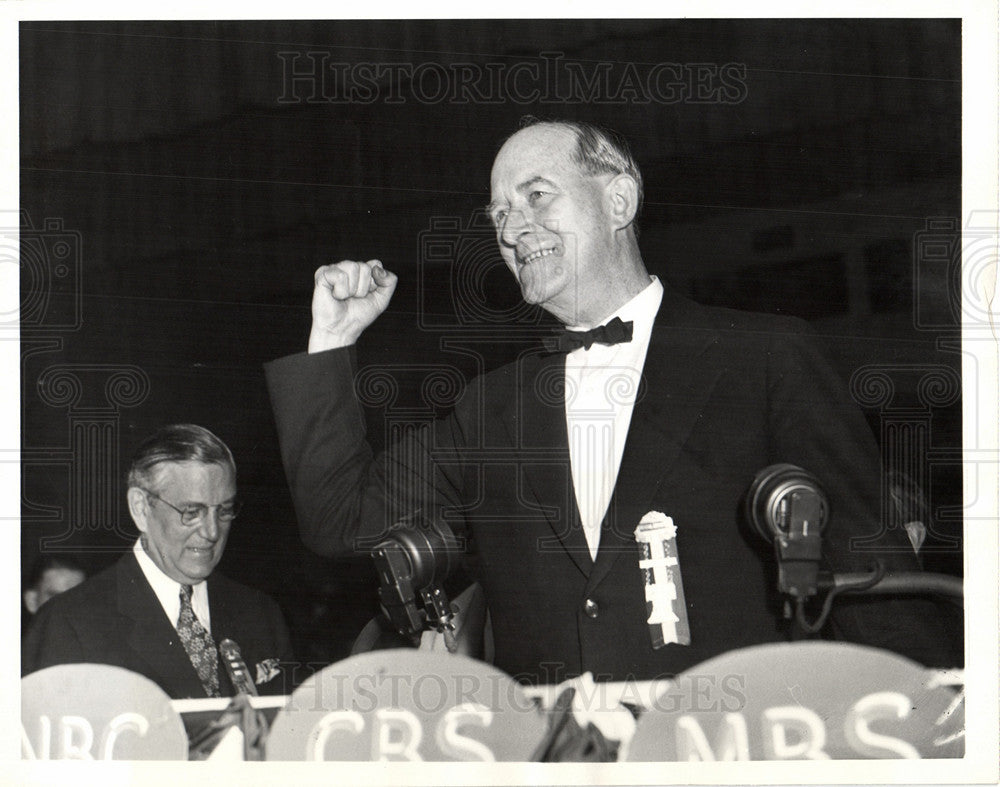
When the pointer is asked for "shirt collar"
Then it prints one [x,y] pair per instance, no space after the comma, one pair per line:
[640,310]
[168,590]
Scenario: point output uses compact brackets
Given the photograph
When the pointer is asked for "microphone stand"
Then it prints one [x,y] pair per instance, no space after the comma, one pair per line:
[905,582]
[876,582]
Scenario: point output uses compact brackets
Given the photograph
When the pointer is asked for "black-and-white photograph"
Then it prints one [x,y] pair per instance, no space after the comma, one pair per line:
[582,391]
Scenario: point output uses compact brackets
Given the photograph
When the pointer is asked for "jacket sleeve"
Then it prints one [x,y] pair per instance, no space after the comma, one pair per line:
[345,498]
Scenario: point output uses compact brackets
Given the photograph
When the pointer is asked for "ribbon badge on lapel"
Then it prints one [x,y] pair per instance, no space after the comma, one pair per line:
[656,536]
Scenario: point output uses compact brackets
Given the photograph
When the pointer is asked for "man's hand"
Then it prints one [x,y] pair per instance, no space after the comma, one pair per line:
[347,298]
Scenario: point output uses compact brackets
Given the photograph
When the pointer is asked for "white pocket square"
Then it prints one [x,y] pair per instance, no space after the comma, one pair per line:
[267,670]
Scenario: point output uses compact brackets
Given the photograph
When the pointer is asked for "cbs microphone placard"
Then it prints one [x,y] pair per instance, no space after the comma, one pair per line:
[407,705]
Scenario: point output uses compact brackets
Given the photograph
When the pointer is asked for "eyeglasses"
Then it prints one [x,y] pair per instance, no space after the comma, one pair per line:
[192,515]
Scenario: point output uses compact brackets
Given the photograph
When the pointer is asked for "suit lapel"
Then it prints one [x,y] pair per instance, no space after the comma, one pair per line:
[536,420]
[677,380]
[152,637]
[226,613]
[678,377]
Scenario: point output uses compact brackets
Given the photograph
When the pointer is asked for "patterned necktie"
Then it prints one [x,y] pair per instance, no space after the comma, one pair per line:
[615,332]
[198,644]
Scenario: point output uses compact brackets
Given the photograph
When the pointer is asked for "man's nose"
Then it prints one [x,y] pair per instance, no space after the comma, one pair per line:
[513,225]
[210,524]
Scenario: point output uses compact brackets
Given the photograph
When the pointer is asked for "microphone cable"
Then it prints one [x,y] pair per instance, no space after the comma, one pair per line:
[877,573]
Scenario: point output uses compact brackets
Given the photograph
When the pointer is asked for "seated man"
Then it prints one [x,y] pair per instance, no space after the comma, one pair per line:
[161,610]
[50,575]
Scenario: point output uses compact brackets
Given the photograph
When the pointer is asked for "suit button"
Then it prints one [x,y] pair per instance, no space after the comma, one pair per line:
[590,607]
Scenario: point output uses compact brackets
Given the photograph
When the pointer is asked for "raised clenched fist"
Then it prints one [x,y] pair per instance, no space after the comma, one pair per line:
[347,298]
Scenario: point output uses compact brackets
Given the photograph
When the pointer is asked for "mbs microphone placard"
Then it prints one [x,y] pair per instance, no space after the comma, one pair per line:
[407,705]
[804,701]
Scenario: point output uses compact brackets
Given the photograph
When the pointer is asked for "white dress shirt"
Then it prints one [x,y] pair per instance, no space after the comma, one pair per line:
[601,386]
[168,591]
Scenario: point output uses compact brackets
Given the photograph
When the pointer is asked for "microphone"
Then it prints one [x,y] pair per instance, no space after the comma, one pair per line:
[787,507]
[415,558]
[236,668]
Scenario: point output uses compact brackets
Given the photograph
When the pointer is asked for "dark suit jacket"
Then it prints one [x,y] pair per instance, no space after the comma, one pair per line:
[115,618]
[724,394]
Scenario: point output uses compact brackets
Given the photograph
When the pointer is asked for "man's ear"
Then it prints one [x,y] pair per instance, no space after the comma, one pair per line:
[138,507]
[622,193]
[31,600]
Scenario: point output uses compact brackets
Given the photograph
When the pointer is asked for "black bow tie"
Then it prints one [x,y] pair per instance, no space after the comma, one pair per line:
[614,332]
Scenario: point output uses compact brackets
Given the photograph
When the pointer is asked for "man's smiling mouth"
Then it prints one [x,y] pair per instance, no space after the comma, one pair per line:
[537,255]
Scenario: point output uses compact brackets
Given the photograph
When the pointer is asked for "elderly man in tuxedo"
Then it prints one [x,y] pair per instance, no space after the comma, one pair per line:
[162,609]
[648,407]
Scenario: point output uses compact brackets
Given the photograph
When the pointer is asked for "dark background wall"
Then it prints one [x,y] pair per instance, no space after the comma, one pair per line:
[179,186]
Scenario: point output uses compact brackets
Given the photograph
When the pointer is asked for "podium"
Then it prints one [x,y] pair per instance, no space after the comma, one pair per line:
[811,700]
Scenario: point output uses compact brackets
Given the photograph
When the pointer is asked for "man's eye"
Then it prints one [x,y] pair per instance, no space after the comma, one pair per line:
[499,217]
[534,196]
[193,514]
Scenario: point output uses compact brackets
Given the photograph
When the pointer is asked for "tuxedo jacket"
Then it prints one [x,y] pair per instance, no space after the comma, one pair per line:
[723,395]
[115,618]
